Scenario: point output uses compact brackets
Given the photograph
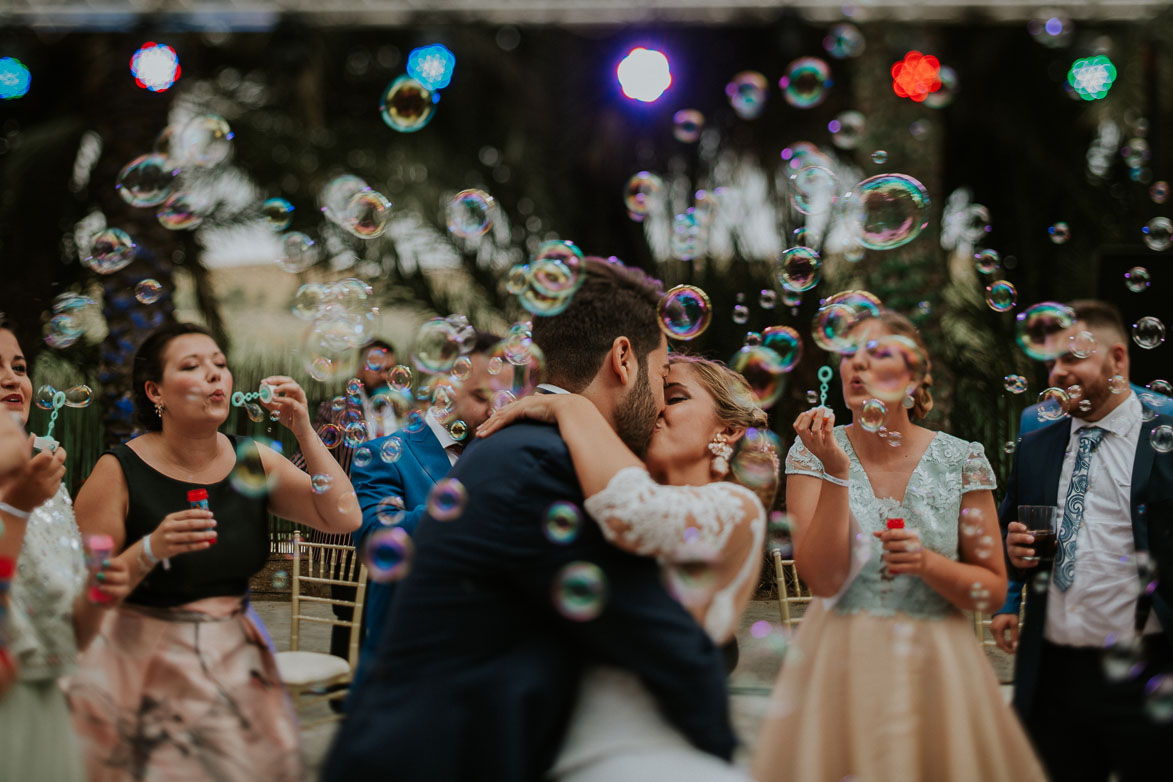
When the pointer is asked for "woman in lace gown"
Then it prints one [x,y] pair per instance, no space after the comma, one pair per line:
[682,507]
[885,680]
[48,613]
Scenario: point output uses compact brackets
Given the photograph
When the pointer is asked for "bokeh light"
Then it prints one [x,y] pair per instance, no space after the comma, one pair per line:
[916,76]
[431,66]
[15,78]
[644,74]
[1092,77]
[155,66]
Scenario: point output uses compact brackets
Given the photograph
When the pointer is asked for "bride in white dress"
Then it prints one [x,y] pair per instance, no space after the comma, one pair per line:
[685,507]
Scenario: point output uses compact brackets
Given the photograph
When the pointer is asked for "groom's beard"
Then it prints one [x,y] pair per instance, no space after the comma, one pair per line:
[635,417]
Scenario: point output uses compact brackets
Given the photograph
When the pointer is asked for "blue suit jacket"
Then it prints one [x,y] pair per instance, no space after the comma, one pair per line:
[477,672]
[421,465]
[1029,421]
[1034,480]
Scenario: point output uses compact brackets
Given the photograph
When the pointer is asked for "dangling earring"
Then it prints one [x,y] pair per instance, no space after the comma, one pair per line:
[908,402]
[159,409]
[721,450]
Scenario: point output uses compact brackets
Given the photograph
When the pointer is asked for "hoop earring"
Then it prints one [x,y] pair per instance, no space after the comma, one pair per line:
[721,450]
[159,409]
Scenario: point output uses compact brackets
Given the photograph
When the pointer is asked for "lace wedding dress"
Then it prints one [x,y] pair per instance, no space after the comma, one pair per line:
[886,680]
[708,539]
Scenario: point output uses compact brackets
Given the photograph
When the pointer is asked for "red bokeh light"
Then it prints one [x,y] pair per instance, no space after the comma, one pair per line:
[916,76]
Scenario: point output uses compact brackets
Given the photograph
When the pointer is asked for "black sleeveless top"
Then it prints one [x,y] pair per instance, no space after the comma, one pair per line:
[241,548]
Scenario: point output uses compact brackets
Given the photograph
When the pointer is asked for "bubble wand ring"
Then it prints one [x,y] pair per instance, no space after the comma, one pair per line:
[825,375]
[49,398]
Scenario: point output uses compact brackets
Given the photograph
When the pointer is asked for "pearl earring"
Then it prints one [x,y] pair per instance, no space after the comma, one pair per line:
[159,409]
[721,451]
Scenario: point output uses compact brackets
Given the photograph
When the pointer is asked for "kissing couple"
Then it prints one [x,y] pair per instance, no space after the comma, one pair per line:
[517,649]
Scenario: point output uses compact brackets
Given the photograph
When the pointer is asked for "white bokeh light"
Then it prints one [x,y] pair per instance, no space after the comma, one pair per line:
[644,74]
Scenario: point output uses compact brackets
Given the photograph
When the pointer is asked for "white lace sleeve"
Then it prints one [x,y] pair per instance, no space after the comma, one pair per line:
[976,473]
[675,523]
[800,461]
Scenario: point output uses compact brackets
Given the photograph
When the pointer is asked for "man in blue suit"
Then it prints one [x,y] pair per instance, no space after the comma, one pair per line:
[393,487]
[1099,602]
[477,672]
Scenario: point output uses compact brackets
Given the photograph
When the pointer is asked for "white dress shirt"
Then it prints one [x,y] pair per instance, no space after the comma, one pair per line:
[1101,601]
[381,420]
[452,447]
[552,389]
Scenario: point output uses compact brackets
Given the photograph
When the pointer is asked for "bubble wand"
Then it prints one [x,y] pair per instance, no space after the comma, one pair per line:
[825,375]
[49,398]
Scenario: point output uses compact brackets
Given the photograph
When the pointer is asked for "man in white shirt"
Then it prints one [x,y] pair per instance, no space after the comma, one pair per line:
[1094,658]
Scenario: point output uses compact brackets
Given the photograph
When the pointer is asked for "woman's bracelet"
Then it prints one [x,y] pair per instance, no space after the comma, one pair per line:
[14,511]
[836,481]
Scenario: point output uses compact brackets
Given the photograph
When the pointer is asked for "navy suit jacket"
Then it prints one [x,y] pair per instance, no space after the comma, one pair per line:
[477,672]
[1034,480]
[421,465]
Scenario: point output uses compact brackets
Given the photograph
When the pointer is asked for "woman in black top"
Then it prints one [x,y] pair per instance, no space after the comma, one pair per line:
[179,684]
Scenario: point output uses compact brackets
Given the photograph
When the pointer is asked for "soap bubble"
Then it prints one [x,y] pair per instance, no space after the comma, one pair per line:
[1137,279]
[562,522]
[987,261]
[1159,192]
[946,92]
[280,579]
[1001,296]
[335,196]
[354,433]
[763,371]
[330,435]
[684,312]
[848,129]
[556,269]
[1059,233]
[248,477]
[641,193]
[470,213]
[278,213]
[1053,403]
[798,269]
[362,457]
[458,429]
[146,180]
[896,366]
[755,458]
[838,316]
[880,157]
[1081,344]
[685,239]
[205,141]
[516,365]
[1161,438]
[391,450]
[740,314]
[401,377]
[1041,330]
[747,93]
[894,210]
[447,499]
[813,190]
[806,82]
[298,252]
[367,214]
[767,299]
[786,342]
[872,415]
[1158,234]
[1117,384]
[148,291]
[180,212]
[436,347]
[388,554]
[687,125]
[843,41]
[321,483]
[1015,384]
[112,250]
[407,105]
[579,591]
[1148,332]
[44,397]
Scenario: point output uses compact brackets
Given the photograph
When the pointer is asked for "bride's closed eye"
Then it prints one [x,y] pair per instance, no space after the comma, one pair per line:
[671,400]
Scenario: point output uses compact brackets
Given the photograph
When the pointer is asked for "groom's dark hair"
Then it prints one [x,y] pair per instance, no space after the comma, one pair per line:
[614,301]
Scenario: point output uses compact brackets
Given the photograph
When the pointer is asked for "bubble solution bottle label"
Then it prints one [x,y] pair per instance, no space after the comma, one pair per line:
[197,499]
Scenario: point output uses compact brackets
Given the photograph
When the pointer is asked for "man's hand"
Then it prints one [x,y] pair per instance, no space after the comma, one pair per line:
[1004,627]
[1018,545]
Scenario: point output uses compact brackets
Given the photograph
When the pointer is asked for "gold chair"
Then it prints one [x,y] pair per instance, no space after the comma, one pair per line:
[310,675]
[981,622]
[791,591]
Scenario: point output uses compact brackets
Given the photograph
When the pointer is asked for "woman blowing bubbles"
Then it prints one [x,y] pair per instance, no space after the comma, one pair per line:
[179,684]
[885,680]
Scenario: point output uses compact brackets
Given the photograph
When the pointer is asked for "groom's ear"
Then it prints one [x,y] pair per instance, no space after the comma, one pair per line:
[622,361]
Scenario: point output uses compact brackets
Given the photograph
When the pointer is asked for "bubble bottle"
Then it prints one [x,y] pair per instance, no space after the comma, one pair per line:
[7,571]
[197,499]
[893,522]
[98,549]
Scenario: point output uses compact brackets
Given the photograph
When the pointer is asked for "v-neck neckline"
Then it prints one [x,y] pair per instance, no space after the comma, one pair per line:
[855,455]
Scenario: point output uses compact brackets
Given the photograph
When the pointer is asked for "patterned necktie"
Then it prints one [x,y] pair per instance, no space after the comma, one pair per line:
[1089,438]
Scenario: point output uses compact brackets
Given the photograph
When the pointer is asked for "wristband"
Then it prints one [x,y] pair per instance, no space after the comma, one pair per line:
[154,560]
[14,511]
[836,481]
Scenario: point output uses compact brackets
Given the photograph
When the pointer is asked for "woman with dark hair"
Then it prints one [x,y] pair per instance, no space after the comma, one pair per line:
[885,680]
[179,683]
[48,615]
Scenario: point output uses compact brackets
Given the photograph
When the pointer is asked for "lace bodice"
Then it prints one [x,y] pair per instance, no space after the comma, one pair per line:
[687,528]
[50,573]
[931,506]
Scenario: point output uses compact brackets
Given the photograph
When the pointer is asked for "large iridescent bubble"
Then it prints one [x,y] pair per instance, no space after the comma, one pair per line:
[1041,330]
[763,370]
[798,269]
[407,105]
[806,82]
[893,210]
[684,312]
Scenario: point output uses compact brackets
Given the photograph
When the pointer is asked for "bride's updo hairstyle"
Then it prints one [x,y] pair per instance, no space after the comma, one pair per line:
[735,406]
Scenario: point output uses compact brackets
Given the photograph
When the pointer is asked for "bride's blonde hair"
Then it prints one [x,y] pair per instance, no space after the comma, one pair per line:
[735,406]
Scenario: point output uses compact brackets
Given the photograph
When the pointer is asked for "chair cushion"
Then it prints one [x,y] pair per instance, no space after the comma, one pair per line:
[301,668]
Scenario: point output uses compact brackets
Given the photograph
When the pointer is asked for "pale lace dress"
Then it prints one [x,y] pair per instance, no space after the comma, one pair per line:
[886,681]
[36,738]
[617,732]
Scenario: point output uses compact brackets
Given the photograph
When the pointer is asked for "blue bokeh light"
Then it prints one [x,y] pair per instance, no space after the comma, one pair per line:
[431,66]
[14,78]
[644,74]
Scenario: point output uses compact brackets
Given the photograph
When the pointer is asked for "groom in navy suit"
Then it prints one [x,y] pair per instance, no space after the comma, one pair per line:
[477,671]
[1095,648]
